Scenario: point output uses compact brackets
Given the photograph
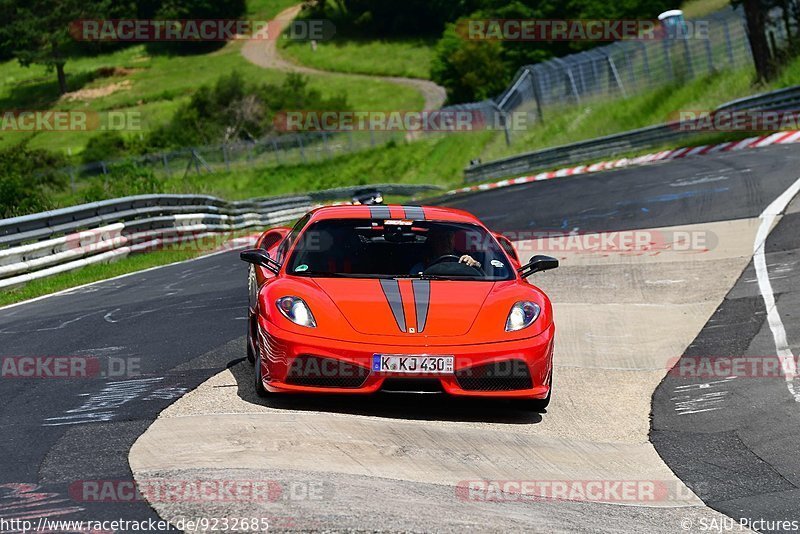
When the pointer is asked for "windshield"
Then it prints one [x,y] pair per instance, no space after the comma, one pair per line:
[366,248]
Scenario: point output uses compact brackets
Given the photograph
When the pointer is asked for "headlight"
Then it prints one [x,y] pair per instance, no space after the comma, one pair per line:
[296,310]
[522,315]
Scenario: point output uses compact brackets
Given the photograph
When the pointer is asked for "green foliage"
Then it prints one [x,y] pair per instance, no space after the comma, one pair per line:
[235,109]
[38,31]
[469,70]
[189,9]
[104,146]
[123,180]
[25,179]
[475,69]
[381,18]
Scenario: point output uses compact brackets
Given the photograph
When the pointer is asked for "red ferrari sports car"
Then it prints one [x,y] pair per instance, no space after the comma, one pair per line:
[360,299]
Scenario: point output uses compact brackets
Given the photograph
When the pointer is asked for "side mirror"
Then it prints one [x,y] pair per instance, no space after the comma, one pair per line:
[260,257]
[538,263]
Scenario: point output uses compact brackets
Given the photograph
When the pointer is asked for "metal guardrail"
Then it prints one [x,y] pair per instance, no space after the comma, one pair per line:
[43,244]
[625,142]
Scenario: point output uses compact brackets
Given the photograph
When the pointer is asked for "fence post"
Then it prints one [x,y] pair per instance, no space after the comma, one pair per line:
[728,45]
[537,95]
[225,157]
[614,73]
[668,59]
[275,149]
[165,162]
[646,63]
[325,144]
[302,148]
[688,52]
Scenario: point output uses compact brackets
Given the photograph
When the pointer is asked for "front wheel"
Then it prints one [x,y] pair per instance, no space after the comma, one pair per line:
[251,342]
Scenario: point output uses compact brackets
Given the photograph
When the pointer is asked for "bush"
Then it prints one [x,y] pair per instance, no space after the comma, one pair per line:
[103,147]
[123,180]
[235,110]
[469,70]
[26,176]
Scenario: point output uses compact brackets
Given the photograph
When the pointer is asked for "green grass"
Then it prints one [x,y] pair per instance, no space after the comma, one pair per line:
[268,8]
[575,123]
[158,84]
[404,57]
[436,159]
[92,273]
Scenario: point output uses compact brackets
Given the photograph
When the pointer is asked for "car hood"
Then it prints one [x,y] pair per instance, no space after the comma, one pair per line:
[401,307]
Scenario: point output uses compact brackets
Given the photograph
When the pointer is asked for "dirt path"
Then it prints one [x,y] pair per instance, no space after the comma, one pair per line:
[264,53]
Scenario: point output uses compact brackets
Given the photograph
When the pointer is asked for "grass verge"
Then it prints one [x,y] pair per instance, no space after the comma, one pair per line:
[402,57]
[93,273]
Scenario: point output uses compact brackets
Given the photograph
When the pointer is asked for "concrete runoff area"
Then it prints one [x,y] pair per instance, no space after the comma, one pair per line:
[610,356]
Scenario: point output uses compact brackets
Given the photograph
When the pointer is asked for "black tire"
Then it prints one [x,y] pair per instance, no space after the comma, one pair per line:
[540,405]
[251,355]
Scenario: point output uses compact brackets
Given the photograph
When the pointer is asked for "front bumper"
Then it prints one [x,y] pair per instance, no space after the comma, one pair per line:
[293,363]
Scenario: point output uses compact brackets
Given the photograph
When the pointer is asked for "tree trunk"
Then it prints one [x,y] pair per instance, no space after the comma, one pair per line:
[756,21]
[62,78]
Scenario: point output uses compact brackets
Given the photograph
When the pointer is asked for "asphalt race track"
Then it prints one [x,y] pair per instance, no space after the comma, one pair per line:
[394,462]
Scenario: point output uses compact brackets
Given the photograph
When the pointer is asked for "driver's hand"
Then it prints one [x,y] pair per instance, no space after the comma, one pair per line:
[469,260]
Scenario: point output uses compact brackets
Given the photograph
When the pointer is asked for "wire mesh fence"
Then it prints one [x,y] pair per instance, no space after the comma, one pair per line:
[626,68]
[272,151]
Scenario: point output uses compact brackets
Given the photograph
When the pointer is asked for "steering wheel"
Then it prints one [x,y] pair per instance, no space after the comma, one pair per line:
[452,258]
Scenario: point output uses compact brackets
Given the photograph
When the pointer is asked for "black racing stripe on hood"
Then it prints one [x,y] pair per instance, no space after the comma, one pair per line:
[422,301]
[380,212]
[391,289]
[414,212]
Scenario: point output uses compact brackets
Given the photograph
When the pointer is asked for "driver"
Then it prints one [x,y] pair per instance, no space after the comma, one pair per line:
[441,243]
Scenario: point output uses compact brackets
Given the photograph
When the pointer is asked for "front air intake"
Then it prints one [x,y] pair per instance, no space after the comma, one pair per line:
[319,372]
[505,375]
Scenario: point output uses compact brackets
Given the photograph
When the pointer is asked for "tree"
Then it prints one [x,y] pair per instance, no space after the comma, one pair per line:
[39,30]
[755,12]
[469,70]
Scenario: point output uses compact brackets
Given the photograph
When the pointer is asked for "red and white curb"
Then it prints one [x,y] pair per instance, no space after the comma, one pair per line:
[779,138]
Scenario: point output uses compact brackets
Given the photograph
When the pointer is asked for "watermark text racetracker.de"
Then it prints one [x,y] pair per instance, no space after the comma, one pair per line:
[198,30]
[50,525]
[398,120]
[601,490]
[735,120]
[69,121]
[725,367]
[68,367]
[624,242]
[200,490]
[600,30]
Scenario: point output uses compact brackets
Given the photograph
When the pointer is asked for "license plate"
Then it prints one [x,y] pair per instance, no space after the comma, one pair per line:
[423,364]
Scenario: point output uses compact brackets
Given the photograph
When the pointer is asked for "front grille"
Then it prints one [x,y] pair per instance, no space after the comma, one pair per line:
[505,375]
[416,385]
[316,371]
